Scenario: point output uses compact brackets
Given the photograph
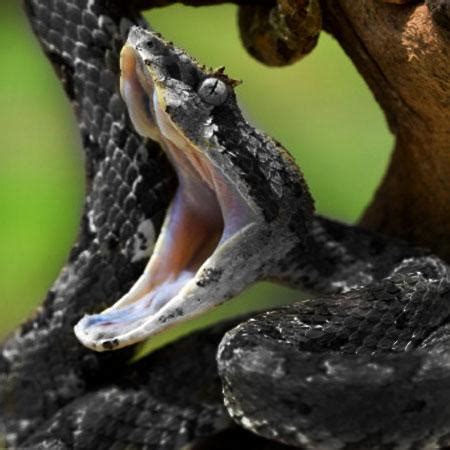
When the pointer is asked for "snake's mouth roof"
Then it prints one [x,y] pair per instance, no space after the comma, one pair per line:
[204,227]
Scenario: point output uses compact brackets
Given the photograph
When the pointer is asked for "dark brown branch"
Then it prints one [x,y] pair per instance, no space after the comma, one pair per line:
[403,54]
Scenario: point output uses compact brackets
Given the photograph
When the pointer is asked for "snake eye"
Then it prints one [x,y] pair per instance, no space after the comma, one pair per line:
[213,91]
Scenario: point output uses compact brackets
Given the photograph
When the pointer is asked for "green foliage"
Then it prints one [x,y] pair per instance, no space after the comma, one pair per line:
[319,109]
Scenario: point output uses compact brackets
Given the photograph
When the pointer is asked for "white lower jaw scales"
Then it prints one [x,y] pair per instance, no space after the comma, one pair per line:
[112,328]
[128,323]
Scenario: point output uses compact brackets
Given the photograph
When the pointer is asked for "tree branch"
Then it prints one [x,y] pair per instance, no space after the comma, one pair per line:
[403,54]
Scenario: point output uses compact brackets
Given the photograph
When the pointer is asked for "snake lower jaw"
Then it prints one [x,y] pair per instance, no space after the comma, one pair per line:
[148,309]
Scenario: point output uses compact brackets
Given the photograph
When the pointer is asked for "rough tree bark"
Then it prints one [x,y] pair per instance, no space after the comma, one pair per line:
[404,55]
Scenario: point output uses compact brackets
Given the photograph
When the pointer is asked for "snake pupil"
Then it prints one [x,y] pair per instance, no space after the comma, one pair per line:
[213,91]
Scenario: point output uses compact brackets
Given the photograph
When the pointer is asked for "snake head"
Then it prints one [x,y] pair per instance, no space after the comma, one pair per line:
[241,203]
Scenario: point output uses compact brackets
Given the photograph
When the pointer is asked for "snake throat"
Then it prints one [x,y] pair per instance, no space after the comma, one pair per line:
[207,219]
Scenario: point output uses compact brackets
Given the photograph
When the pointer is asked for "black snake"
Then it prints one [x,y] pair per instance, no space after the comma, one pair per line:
[363,366]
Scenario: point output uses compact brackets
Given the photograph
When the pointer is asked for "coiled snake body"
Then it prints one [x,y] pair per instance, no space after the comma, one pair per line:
[365,365]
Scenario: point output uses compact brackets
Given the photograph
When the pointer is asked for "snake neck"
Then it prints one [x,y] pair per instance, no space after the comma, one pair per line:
[340,257]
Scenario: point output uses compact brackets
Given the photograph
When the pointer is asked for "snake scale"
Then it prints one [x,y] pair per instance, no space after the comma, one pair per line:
[363,365]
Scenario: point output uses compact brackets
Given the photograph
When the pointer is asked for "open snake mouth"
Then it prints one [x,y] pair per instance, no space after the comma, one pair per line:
[208,216]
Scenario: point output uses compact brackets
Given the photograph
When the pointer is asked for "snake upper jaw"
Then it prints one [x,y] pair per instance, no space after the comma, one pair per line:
[234,214]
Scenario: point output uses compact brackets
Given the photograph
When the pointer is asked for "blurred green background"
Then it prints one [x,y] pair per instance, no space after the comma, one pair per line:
[320,109]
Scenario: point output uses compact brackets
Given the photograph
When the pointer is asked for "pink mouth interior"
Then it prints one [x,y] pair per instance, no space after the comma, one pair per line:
[205,212]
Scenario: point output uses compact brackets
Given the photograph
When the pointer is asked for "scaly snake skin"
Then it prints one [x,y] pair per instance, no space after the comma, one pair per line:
[361,368]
